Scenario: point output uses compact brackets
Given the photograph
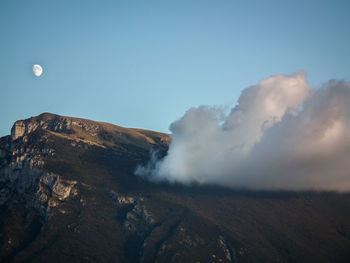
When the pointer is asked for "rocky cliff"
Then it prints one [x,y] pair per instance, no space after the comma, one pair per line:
[68,193]
[23,155]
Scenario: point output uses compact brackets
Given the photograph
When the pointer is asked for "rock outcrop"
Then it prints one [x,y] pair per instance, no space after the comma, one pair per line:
[22,176]
[136,210]
[52,122]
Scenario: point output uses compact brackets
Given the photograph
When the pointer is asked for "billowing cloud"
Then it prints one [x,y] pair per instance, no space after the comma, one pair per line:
[281,135]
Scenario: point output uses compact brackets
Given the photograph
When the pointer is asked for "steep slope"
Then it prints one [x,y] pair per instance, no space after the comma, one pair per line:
[68,194]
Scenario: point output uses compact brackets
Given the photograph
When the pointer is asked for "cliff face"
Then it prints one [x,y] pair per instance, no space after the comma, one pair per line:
[68,193]
[23,155]
[23,179]
[32,179]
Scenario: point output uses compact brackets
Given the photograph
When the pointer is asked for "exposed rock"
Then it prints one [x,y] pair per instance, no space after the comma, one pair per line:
[24,182]
[120,199]
[18,130]
[22,176]
[138,210]
[229,254]
[53,123]
[141,210]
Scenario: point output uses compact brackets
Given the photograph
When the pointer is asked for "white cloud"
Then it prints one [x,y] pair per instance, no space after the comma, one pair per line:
[281,135]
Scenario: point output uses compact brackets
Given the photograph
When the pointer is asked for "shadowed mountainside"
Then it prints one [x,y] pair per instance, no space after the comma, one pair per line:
[68,193]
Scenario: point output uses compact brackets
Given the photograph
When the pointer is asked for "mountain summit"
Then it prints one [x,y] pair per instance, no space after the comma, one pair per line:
[68,193]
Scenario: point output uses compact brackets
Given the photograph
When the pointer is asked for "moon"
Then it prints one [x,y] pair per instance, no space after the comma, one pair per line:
[37,70]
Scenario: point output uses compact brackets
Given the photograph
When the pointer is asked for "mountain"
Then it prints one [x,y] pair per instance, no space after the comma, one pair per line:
[68,193]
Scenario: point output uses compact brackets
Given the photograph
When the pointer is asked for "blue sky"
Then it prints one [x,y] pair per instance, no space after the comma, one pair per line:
[144,63]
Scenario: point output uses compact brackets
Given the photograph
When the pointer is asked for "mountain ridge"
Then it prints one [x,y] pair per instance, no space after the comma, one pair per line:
[59,123]
[68,193]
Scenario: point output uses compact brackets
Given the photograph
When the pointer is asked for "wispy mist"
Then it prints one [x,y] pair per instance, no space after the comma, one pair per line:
[283,134]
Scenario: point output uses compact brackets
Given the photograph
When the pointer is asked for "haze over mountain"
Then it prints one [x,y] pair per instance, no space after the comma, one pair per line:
[68,193]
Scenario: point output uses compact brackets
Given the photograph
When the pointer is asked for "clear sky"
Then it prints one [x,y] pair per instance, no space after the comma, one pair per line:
[144,63]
